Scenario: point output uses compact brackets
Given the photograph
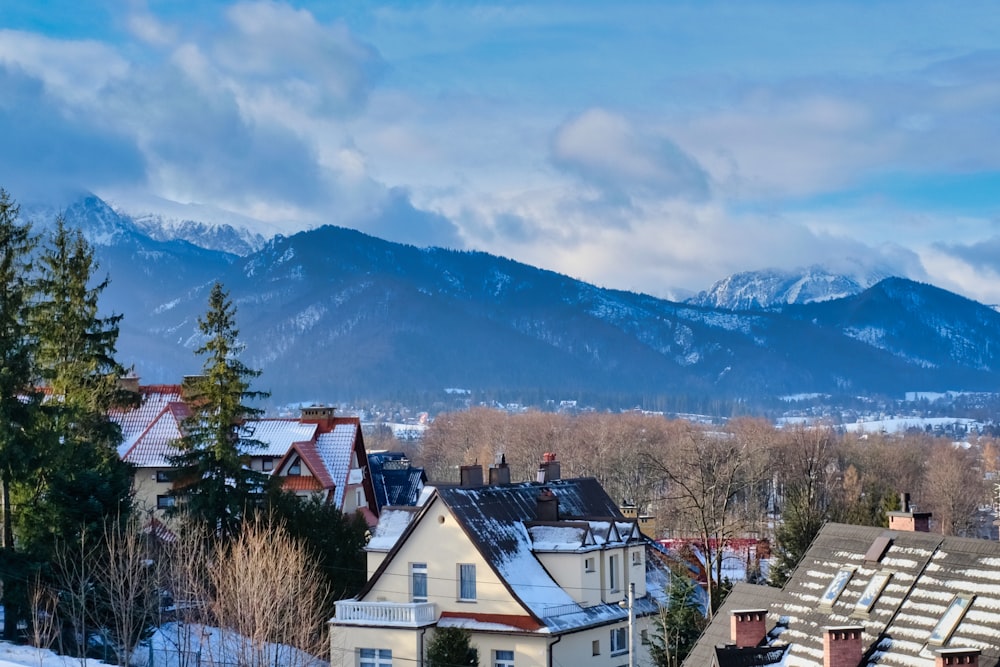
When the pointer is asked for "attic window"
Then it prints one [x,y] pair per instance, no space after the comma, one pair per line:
[878,548]
[836,587]
[952,617]
[295,468]
[872,591]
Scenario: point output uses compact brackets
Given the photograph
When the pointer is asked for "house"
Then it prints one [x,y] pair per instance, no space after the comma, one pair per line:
[332,464]
[539,572]
[395,480]
[868,596]
[317,453]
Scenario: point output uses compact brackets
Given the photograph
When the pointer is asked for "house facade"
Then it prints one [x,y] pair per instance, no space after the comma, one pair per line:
[317,454]
[540,573]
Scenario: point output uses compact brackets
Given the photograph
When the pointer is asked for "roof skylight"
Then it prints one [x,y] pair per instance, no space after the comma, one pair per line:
[836,587]
[871,592]
[952,617]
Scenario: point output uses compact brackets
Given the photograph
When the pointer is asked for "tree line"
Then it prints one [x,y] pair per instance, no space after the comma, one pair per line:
[80,564]
[747,478]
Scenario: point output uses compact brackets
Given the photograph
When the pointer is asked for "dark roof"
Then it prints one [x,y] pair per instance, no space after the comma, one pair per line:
[742,596]
[924,574]
[730,656]
[395,481]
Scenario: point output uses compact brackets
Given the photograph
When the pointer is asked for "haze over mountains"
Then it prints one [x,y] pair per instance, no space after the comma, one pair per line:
[332,314]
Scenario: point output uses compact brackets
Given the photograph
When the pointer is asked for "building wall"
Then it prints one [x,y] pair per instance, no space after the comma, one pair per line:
[441,544]
[146,489]
[570,572]
[405,644]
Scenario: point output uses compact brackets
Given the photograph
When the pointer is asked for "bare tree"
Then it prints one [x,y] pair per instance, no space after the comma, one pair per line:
[954,488]
[128,579]
[268,593]
[44,601]
[75,576]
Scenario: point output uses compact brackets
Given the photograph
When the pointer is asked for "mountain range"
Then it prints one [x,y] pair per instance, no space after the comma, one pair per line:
[331,314]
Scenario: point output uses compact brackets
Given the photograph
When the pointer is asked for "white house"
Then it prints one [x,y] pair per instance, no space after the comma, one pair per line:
[539,572]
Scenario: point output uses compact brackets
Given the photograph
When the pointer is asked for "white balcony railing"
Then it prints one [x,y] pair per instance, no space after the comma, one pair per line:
[402,614]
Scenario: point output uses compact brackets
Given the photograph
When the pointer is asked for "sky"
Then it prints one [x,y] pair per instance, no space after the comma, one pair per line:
[643,145]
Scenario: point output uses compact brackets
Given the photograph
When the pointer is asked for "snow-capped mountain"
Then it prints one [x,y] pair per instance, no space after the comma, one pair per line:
[755,290]
[333,314]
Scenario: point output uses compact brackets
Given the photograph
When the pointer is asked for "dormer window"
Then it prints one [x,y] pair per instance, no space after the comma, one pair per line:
[295,469]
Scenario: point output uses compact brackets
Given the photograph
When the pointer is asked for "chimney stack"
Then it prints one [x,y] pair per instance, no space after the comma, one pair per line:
[957,656]
[548,469]
[321,415]
[547,506]
[748,627]
[842,646]
[129,383]
[500,471]
[471,476]
[907,520]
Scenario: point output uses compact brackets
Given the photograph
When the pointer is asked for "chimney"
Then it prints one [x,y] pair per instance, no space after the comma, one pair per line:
[321,415]
[748,627]
[548,469]
[842,646]
[500,471]
[906,520]
[471,476]
[547,506]
[957,656]
[129,383]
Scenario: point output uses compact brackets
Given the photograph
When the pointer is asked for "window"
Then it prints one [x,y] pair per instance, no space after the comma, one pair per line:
[163,502]
[466,581]
[613,573]
[644,637]
[359,497]
[619,641]
[374,657]
[836,587]
[871,592]
[595,647]
[162,475]
[588,564]
[636,558]
[418,582]
[503,659]
[295,468]
[267,464]
[952,617]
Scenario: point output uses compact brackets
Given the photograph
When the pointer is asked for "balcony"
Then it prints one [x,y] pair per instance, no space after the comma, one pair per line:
[396,614]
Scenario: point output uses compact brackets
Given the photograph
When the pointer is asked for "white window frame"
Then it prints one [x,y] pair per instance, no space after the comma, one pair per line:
[418,578]
[619,641]
[503,658]
[613,574]
[467,582]
[374,657]
[588,564]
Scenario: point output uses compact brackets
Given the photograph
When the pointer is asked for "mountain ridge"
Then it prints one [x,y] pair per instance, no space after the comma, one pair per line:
[335,314]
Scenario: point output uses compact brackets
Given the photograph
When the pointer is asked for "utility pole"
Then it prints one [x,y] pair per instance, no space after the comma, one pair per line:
[631,623]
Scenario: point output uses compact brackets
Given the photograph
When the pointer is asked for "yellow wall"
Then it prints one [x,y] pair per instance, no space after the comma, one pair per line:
[146,489]
[439,542]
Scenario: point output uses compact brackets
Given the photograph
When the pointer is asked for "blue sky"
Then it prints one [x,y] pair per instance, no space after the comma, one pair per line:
[652,146]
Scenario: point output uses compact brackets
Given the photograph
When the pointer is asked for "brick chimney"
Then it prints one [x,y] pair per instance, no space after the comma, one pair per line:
[129,383]
[747,627]
[500,471]
[548,469]
[842,646]
[547,508]
[906,520]
[321,415]
[957,656]
[471,476]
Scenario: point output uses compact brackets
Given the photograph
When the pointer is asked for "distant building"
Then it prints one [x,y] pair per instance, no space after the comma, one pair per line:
[394,479]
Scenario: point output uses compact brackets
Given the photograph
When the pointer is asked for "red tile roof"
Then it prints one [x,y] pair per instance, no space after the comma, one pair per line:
[514,620]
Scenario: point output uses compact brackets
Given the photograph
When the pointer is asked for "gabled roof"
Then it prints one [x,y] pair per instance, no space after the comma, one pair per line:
[497,518]
[394,480]
[909,590]
[137,421]
[151,447]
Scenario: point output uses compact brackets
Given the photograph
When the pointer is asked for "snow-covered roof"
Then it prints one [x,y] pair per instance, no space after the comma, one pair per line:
[335,448]
[392,521]
[899,597]
[278,435]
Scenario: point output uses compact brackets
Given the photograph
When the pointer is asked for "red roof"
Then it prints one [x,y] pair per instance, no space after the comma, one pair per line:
[513,620]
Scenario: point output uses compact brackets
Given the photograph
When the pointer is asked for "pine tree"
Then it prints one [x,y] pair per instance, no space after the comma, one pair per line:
[214,484]
[679,624]
[82,481]
[19,402]
[451,647]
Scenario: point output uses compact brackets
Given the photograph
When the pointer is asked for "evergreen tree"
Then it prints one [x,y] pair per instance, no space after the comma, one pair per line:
[82,482]
[19,402]
[213,483]
[679,624]
[451,647]
[801,521]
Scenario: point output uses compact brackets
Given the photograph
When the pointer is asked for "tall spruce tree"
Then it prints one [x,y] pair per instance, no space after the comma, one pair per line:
[19,401]
[82,484]
[214,485]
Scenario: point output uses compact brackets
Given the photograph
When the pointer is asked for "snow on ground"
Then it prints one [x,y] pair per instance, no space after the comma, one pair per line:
[902,424]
